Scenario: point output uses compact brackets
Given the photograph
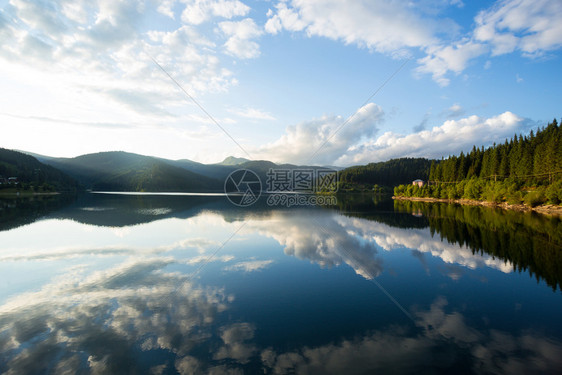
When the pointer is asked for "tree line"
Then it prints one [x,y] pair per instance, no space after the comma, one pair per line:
[32,174]
[523,169]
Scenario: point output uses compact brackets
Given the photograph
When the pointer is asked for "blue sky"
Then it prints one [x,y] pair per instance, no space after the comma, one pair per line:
[281,77]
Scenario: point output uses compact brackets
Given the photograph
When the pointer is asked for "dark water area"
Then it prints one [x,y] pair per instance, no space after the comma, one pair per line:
[164,284]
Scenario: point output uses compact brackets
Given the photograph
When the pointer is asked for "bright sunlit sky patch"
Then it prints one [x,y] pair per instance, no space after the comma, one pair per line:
[279,76]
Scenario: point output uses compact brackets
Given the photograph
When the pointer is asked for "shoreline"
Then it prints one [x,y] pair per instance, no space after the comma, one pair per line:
[545,209]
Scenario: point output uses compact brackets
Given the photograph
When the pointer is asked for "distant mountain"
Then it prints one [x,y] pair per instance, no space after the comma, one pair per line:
[123,171]
[31,172]
[231,160]
[215,171]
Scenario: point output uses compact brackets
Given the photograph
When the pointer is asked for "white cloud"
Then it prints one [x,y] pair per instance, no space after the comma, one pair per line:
[199,11]
[383,26]
[356,143]
[324,135]
[531,26]
[450,138]
[240,35]
[103,48]
[442,59]
[166,7]
[397,28]
[455,111]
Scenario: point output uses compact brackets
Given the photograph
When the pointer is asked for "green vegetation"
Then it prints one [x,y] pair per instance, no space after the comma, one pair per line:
[522,170]
[32,175]
[389,173]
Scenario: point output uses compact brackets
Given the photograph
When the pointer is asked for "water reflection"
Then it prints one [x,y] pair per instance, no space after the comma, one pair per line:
[442,342]
[105,321]
[526,241]
[139,318]
[145,285]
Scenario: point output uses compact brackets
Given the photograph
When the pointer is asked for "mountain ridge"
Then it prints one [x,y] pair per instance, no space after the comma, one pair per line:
[125,171]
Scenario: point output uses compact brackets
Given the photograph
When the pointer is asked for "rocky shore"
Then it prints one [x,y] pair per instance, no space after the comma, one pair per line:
[545,209]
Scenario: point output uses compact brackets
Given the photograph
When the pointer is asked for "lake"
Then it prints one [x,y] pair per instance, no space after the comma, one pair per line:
[164,284]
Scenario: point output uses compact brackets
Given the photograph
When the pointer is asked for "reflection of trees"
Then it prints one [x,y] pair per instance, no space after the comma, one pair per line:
[530,242]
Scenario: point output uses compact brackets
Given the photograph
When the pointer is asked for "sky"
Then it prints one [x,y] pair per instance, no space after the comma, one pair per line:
[325,82]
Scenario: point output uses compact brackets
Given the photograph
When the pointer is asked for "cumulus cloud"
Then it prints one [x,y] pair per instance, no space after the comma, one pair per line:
[357,141]
[401,28]
[199,11]
[442,59]
[240,35]
[530,27]
[452,137]
[533,27]
[383,26]
[103,48]
[320,139]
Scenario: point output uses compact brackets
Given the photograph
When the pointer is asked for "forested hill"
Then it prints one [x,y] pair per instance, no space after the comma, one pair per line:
[32,174]
[536,158]
[523,169]
[388,173]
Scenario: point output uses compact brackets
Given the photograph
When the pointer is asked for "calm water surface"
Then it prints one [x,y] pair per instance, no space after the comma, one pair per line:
[105,283]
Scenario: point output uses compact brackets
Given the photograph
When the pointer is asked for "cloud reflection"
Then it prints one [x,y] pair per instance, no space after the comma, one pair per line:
[442,339]
[103,322]
[250,266]
[331,239]
[110,321]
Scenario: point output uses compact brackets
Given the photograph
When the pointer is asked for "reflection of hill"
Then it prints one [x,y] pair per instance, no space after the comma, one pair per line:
[15,212]
[123,210]
[529,241]
[118,210]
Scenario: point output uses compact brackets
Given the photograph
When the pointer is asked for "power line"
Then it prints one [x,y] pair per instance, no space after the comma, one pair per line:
[200,107]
